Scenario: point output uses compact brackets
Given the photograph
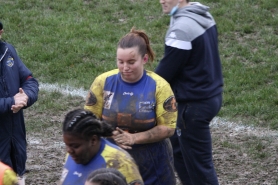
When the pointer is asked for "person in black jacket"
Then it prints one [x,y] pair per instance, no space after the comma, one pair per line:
[192,66]
[18,90]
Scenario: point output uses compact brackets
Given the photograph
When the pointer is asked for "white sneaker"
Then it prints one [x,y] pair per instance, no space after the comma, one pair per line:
[21,180]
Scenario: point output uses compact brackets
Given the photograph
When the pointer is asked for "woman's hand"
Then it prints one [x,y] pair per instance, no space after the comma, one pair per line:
[123,139]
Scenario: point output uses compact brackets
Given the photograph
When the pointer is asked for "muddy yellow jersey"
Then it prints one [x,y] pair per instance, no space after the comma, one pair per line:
[134,107]
[108,156]
[7,175]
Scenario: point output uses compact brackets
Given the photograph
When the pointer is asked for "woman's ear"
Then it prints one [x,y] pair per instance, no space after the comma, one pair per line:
[145,58]
[94,140]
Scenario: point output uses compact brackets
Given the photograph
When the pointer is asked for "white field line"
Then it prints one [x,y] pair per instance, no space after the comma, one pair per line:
[216,122]
[64,89]
[235,128]
[40,144]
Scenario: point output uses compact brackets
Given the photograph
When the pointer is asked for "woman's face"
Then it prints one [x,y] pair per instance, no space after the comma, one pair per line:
[81,150]
[131,64]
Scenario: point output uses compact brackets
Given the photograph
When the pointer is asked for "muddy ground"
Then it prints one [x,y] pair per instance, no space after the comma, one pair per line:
[242,155]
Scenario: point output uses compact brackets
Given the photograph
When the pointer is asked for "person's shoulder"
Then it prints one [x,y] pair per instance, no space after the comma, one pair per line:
[183,29]
[183,22]
[112,148]
[6,45]
[9,46]
[108,145]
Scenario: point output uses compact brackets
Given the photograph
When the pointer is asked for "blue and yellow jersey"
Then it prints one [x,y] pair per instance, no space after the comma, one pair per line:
[7,175]
[108,156]
[134,107]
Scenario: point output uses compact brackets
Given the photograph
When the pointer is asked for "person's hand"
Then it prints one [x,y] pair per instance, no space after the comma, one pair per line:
[20,100]
[116,134]
[16,108]
[123,139]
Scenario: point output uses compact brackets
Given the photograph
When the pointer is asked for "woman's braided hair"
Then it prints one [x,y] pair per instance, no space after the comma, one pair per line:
[86,124]
[107,176]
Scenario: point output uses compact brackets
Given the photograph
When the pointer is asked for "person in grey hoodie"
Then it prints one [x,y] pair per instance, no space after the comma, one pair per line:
[192,66]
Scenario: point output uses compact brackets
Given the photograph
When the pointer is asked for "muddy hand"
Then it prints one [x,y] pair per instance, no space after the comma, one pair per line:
[115,134]
[123,139]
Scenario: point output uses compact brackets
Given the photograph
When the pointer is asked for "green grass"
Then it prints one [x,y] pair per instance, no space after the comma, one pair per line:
[73,41]
[49,111]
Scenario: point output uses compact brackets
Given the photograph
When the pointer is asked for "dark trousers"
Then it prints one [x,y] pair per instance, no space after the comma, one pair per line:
[192,146]
[155,162]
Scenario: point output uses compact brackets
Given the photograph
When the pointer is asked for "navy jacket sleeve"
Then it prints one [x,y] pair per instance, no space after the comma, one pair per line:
[19,76]
[29,84]
[172,63]
[6,104]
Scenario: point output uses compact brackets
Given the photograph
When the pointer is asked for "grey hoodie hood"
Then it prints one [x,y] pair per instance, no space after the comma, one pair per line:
[198,12]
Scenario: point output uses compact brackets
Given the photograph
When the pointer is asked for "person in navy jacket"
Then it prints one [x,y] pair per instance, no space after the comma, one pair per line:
[192,66]
[18,90]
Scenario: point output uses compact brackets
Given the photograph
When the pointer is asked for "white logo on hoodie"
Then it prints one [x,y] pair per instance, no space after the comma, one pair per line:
[173,35]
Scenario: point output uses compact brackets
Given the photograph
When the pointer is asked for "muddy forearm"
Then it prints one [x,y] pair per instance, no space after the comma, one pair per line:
[155,134]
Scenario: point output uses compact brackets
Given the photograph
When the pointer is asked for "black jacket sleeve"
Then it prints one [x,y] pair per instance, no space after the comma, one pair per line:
[172,63]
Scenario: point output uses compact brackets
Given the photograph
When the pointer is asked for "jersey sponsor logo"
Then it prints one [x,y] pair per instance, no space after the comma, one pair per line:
[78,174]
[146,106]
[10,62]
[91,99]
[170,104]
[128,93]
[107,97]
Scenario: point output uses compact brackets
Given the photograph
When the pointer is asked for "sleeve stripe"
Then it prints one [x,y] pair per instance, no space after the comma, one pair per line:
[178,44]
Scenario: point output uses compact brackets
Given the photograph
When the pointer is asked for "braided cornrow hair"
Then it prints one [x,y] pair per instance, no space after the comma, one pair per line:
[137,38]
[107,176]
[86,124]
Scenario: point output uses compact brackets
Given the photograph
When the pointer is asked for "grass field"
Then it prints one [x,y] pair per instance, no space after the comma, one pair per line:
[69,42]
